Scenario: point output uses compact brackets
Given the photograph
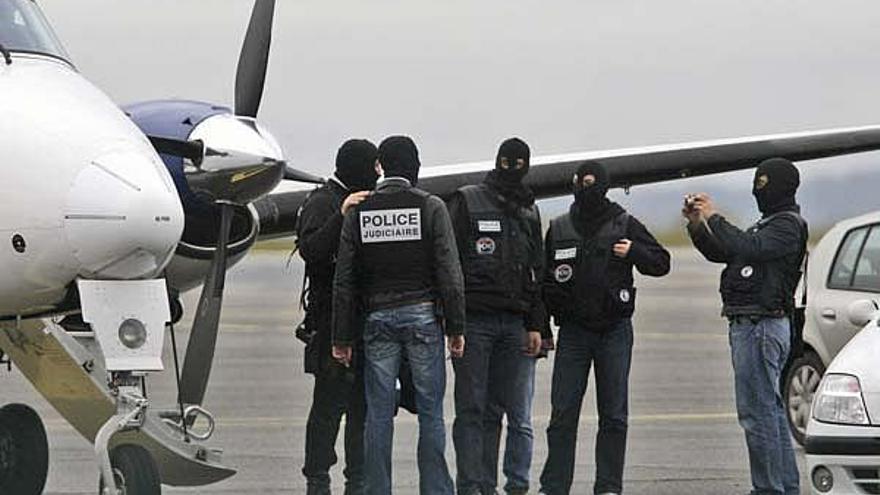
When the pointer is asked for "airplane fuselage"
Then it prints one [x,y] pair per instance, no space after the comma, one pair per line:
[84,194]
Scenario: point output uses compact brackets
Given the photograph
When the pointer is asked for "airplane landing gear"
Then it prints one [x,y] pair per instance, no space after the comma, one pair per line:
[24,451]
[134,471]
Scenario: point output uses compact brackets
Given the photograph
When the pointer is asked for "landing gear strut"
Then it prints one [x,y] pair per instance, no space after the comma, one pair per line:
[24,451]
[131,468]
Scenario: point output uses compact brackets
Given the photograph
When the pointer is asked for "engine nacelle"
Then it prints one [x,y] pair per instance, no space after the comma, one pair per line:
[218,128]
[192,258]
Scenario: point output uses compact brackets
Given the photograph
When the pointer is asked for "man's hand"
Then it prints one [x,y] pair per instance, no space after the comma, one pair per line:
[622,247]
[342,354]
[353,200]
[533,343]
[701,208]
[704,204]
[455,343]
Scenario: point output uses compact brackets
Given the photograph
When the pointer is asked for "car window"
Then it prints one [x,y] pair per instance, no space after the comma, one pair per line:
[868,267]
[843,271]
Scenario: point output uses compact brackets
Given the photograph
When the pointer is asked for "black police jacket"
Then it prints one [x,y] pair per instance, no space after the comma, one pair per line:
[502,253]
[763,263]
[396,248]
[585,282]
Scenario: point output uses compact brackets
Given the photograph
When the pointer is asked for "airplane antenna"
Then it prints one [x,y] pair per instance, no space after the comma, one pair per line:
[7,56]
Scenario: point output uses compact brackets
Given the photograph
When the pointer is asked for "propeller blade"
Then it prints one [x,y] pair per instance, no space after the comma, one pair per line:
[194,150]
[203,338]
[291,173]
[254,59]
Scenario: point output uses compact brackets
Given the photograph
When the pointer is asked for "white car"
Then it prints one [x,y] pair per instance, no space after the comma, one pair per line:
[844,267]
[843,434]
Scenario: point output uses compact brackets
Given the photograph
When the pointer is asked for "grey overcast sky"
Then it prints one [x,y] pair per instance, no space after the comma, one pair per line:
[459,75]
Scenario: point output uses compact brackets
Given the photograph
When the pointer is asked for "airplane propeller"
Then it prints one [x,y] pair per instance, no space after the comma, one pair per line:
[254,59]
[230,179]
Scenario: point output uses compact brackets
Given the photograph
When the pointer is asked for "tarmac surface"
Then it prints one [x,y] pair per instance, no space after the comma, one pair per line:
[683,436]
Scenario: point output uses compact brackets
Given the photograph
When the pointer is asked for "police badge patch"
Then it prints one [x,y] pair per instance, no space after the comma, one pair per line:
[563,273]
[485,245]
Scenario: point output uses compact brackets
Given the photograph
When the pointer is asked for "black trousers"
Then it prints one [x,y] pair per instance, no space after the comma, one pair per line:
[336,393]
[610,353]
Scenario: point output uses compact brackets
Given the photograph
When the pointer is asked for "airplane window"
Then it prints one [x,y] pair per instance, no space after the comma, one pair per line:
[23,28]
[867,275]
[844,265]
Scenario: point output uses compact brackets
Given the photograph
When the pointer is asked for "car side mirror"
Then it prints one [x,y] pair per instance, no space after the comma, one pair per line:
[861,312]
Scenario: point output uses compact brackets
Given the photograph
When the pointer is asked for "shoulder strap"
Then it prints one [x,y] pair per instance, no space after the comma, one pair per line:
[804,239]
[563,229]
[476,199]
[615,228]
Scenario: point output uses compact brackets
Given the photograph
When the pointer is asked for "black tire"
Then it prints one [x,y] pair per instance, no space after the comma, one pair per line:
[135,471]
[802,378]
[24,451]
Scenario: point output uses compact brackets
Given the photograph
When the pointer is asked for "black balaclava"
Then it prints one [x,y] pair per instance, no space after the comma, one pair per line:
[400,158]
[356,165]
[592,198]
[591,209]
[506,179]
[775,185]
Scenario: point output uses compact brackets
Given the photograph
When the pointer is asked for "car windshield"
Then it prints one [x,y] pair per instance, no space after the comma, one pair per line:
[23,28]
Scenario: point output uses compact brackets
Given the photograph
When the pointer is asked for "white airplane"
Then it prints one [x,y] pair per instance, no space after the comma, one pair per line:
[108,214]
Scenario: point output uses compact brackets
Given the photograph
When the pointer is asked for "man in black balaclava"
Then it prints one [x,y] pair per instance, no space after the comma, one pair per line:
[775,185]
[588,289]
[337,391]
[397,260]
[498,232]
[757,289]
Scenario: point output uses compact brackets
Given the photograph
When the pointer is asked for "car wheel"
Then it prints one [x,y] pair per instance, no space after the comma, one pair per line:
[801,381]
[24,451]
[134,470]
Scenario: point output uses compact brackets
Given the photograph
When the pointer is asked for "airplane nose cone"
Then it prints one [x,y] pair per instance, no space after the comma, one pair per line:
[123,217]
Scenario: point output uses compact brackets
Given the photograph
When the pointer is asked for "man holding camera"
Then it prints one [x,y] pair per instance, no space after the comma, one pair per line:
[337,390]
[757,289]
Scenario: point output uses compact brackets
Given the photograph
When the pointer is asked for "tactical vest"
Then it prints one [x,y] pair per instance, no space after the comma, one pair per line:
[763,288]
[393,247]
[587,282]
[496,261]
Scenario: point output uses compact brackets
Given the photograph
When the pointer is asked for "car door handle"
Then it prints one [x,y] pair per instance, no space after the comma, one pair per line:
[829,314]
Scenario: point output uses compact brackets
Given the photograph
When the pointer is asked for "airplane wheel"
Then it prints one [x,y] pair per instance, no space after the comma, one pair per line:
[135,471]
[801,382]
[24,451]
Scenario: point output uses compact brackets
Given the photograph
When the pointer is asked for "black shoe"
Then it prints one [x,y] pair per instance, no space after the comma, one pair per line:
[317,489]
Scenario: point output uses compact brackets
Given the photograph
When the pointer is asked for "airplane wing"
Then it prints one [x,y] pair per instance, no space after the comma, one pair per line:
[550,176]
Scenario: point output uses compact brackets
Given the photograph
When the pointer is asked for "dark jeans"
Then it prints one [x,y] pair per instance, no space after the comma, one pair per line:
[412,331]
[493,371]
[759,350]
[520,439]
[578,349]
[335,394]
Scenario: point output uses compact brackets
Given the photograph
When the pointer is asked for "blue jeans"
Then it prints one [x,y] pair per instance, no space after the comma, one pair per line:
[390,333]
[759,350]
[611,352]
[493,370]
[520,437]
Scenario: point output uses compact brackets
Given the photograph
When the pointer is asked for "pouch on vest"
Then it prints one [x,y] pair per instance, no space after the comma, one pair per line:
[743,282]
[620,302]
